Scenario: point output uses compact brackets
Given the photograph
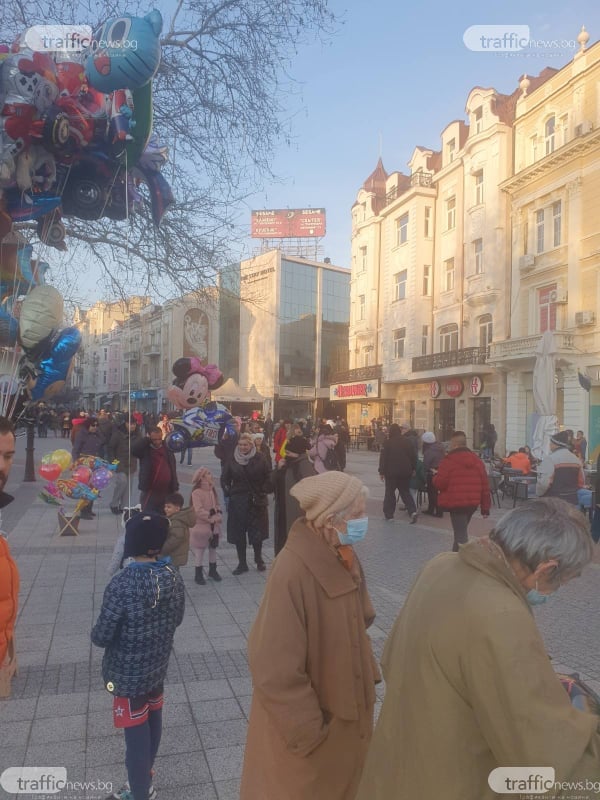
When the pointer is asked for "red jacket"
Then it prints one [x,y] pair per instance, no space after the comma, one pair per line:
[462,481]
[9,596]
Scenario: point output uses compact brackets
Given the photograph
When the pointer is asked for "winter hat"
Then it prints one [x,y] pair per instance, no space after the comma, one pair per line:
[145,535]
[297,444]
[405,426]
[320,496]
[202,474]
[561,439]
[428,437]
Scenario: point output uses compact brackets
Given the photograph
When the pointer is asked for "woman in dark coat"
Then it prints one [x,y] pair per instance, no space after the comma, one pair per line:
[296,466]
[88,442]
[246,482]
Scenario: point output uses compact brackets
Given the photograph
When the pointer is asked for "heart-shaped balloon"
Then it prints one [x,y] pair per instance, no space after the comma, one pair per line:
[50,472]
[82,474]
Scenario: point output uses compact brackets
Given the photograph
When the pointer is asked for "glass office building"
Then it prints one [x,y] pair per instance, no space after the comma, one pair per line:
[293,325]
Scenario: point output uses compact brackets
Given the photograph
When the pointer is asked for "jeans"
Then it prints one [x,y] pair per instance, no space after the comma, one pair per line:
[460,518]
[142,743]
[389,500]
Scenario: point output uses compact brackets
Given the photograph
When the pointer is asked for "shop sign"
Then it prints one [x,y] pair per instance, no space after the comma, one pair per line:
[144,394]
[454,387]
[476,386]
[354,391]
[435,389]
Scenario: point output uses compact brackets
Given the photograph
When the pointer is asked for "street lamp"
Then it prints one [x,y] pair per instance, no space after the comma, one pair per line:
[29,421]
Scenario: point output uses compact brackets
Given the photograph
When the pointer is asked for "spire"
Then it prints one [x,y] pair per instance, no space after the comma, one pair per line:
[376,180]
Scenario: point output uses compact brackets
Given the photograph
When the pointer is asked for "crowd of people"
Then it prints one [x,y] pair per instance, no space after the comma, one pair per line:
[464,644]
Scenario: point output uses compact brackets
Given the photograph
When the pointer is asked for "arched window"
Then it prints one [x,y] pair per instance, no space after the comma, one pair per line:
[485,330]
[448,338]
[549,130]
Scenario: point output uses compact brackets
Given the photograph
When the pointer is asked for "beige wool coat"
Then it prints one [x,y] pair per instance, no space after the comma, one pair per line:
[470,687]
[314,678]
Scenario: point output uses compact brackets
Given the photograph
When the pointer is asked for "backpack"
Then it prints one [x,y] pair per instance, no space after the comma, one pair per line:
[331,460]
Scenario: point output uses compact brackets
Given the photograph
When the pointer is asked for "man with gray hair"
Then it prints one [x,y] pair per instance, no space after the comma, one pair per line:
[560,473]
[469,684]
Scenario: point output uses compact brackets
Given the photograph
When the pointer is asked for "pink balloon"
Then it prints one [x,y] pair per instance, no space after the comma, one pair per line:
[49,472]
[82,474]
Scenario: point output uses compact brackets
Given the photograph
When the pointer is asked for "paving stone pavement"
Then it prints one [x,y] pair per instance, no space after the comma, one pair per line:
[59,713]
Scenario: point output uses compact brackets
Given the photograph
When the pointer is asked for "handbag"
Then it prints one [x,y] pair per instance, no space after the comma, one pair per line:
[259,500]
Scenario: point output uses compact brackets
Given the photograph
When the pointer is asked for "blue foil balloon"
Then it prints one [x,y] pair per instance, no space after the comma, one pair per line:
[200,427]
[54,368]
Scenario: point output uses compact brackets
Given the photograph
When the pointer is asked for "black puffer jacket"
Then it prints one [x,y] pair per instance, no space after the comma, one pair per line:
[398,458]
[119,449]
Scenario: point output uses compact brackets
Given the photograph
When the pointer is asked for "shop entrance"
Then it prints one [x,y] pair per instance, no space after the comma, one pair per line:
[443,419]
[482,416]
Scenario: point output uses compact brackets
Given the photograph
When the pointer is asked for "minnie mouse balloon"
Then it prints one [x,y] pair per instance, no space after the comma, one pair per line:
[100,478]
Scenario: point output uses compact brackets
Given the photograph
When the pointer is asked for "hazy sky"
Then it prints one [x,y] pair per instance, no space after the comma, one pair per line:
[398,73]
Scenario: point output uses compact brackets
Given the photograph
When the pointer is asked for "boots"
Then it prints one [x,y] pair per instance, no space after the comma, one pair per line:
[212,572]
[241,568]
[241,554]
[199,576]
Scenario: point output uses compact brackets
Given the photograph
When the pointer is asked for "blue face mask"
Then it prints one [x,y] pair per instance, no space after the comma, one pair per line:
[535,598]
[356,531]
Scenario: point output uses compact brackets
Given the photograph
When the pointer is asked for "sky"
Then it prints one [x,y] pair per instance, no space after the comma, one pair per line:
[392,77]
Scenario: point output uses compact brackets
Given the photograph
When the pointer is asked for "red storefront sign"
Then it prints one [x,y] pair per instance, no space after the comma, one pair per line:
[435,389]
[454,387]
[288,223]
[476,385]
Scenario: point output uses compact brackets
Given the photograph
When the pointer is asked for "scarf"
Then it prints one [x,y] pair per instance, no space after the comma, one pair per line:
[243,459]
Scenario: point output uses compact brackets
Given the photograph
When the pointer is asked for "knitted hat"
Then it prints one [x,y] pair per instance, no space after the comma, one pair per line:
[428,437]
[145,535]
[297,444]
[561,439]
[321,496]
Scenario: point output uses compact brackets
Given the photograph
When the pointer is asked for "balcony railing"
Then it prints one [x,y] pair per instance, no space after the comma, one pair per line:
[358,374]
[525,347]
[453,358]
[131,355]
[152,349]
[417,179]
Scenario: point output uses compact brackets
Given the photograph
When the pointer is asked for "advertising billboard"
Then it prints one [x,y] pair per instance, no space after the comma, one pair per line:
[288,223]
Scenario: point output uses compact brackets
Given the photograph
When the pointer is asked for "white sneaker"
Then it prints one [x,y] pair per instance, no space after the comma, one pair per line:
[124,793]
[413,517]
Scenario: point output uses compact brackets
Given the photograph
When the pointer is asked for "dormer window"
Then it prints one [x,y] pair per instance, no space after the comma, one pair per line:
[478,117]
[549,131]
[451,149]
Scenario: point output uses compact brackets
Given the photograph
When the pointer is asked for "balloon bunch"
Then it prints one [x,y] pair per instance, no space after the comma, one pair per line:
[85,482]
[74,125]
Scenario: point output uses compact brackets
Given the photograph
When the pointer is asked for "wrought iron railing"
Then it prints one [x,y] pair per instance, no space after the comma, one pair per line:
[452,358]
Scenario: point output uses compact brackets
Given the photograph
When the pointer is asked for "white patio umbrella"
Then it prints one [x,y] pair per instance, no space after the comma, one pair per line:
[544,394]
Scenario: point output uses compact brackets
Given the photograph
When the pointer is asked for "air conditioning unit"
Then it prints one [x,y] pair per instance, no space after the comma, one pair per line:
[584,318]
[558,296]
[583,128]
[526,263]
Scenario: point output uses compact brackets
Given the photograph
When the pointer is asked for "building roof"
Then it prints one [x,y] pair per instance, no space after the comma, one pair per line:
[376,180]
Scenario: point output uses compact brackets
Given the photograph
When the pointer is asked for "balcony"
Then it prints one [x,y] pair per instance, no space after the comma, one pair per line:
[152,349]
[358,374]
[131,355]
[416,179]
[524,348]
[453,358]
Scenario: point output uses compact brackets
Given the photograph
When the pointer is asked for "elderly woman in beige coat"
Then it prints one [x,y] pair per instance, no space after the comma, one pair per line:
[310,656]
[469,685]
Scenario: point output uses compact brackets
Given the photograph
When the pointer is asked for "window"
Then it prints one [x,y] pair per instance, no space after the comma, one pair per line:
[556,222]
[363,259]
[478,254]
[402,229]
[564,125]
[533,148]
[549,130]
[479,187]
[400,285]
[427,280]
[547,308]
[525,237]
[449,275]
[451,149]
[367,356]
[539,230]
[450,213]
[361,306]
[448,338]
[485,330]
[424,340]
[399,337]
[478,117]
[104,378]
[427,226]
[105,353]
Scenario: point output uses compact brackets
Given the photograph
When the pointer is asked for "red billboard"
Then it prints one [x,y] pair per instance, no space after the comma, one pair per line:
[288,223]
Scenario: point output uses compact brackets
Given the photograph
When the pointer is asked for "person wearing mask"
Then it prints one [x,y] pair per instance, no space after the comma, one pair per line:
[158,471]
[463,486]
[310,657]
[469,684]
